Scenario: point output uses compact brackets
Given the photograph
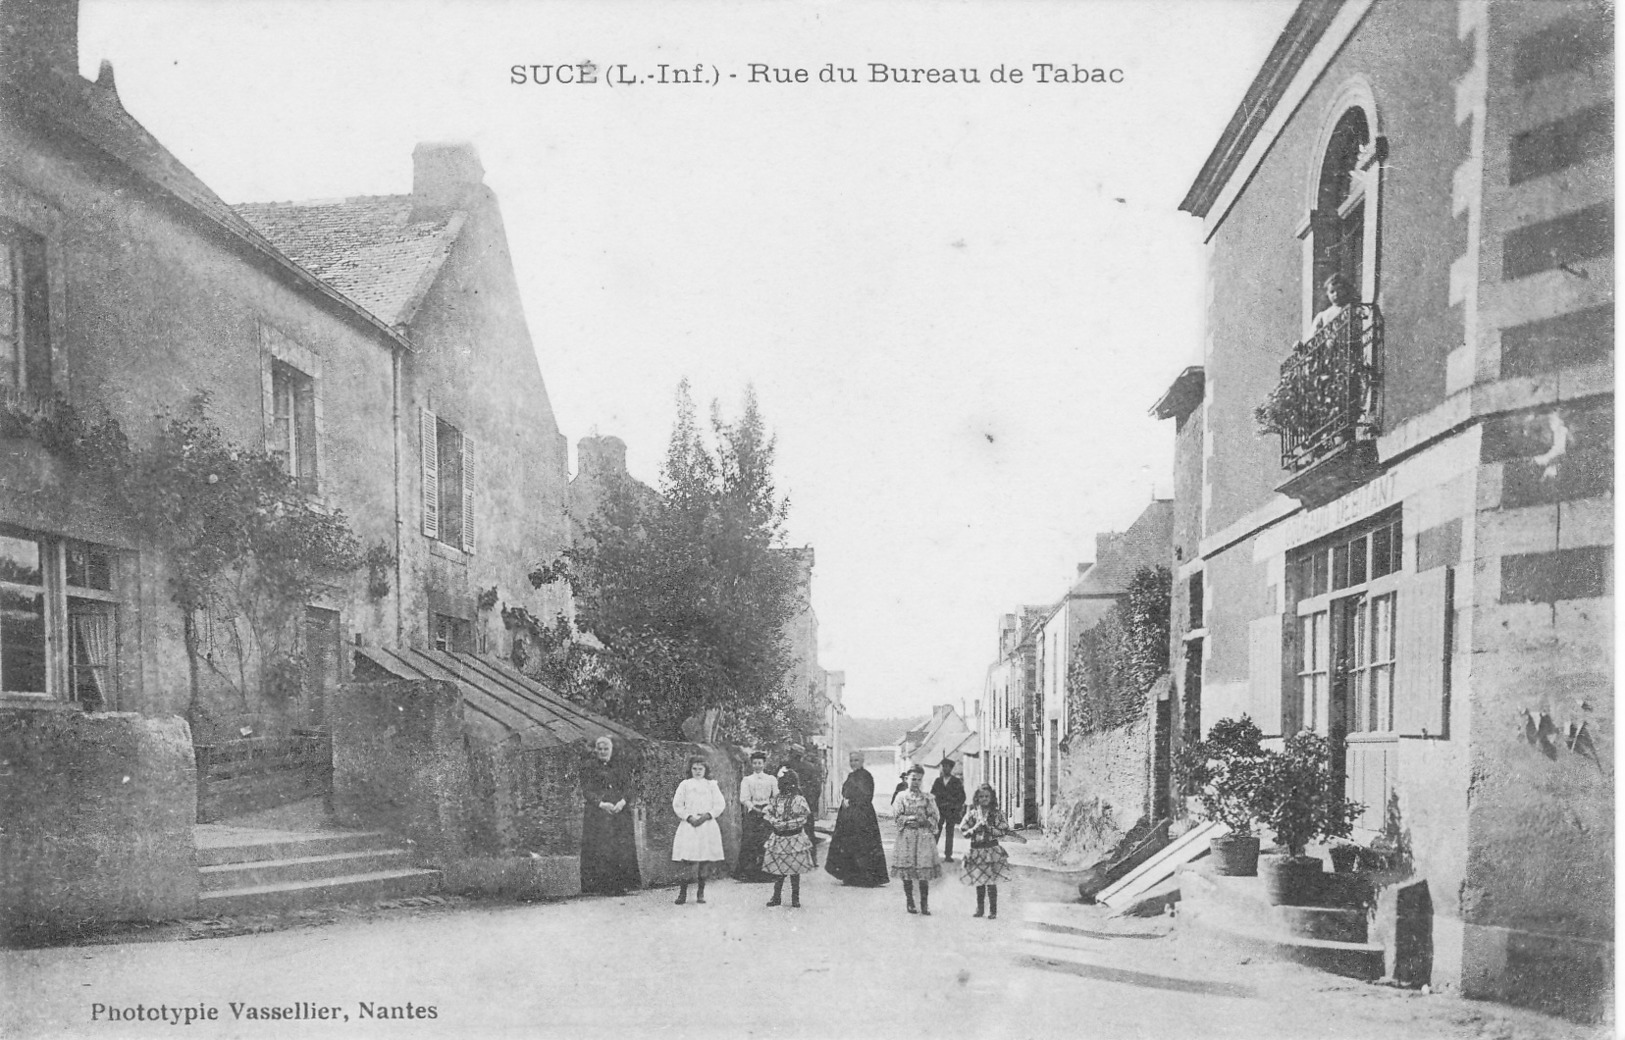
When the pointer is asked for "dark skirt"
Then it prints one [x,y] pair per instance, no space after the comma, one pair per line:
[856,855]
[753,835]
[609,852]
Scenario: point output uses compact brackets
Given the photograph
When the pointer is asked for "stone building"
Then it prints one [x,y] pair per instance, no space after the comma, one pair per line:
[1008,714]
[374,347]
[1100,586]
[1417,560]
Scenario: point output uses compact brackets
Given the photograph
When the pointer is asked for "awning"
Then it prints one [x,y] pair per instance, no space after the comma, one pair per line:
[501,703]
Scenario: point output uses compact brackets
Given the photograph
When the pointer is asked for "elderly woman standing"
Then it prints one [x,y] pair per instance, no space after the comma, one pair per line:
[914,856]
[697,803]
[609,853]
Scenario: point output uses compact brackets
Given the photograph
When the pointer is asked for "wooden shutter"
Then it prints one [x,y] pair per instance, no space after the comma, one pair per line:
[1266,664]
[468,493]
[429,445]
[1421,659]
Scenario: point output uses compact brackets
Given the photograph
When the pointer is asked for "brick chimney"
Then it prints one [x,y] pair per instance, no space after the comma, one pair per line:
[442,174]
[37,35]
[599,457]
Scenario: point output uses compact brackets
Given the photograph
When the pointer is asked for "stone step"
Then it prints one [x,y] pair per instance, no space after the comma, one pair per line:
[1355,960]
[230,845]
[370,887]
[260,872]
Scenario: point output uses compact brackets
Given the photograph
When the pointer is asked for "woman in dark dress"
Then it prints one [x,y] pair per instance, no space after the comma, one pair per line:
[609,854]
[856,854]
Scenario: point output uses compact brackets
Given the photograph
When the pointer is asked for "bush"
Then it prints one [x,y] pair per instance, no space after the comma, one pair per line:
[1300,798]
[1224,772]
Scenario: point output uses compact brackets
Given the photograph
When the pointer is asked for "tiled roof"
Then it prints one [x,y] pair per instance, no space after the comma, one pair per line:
[368,248]
[74,107]
[1146,543]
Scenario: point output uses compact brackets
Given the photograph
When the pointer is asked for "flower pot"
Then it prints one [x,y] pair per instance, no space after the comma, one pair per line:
[1234,855]
[1291,880]
[1345,858]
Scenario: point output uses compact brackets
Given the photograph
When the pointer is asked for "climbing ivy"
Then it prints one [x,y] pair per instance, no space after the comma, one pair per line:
[1115,663]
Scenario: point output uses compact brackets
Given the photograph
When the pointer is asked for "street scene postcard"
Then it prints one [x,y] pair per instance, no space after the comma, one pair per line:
[813,519]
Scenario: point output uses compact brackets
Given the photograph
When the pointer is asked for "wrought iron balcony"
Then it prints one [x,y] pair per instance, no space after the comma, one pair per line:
[1330,392]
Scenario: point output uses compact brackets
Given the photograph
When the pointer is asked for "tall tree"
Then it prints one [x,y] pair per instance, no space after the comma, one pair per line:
[682,599]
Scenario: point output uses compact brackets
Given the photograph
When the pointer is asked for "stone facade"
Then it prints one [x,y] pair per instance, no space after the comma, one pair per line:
[1434,593]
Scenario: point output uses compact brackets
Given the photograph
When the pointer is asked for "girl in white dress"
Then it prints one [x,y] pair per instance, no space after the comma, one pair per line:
[697,803]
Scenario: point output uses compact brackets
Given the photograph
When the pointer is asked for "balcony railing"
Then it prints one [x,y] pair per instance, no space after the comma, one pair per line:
[1330,393]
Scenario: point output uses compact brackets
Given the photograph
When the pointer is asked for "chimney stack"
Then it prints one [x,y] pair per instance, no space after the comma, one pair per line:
[38,35]
[442,174]
[600,457]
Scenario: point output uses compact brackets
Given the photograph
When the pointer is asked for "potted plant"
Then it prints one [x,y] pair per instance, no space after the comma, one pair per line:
[1345,857]
[1223,773]
[1301,800]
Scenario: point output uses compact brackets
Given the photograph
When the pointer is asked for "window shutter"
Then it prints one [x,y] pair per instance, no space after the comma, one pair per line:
[1266,663]
[1422,662]
[429,444]
[468,493]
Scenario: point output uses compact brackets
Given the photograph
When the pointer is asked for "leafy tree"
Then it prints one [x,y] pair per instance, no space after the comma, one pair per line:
[683,598]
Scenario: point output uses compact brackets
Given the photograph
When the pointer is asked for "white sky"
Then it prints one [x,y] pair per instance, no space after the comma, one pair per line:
[956,302]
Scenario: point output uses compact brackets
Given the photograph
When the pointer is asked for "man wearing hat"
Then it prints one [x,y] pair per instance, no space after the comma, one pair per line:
[949,791]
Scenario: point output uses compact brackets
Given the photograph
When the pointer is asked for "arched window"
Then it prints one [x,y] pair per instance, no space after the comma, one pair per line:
[1340,235]
[1339,222]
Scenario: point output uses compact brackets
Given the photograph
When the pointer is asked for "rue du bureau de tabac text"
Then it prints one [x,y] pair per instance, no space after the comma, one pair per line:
[624,74]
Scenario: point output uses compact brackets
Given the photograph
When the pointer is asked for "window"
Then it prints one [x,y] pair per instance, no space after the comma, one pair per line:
[25,346]
[291,380]
[453,634]
[447,455]
[1344,189]
[1194,600]
[1347,607]
[58,619]
[293,423]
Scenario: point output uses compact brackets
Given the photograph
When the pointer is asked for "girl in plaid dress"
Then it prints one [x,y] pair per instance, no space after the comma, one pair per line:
[914,853]
[788,852]
[985,865]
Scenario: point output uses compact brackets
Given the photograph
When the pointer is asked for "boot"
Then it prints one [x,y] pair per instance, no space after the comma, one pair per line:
[778,891]
[682,893]
[699,890]
[908,891]
[992,902]
[981,901]
[795,891]
[925,898]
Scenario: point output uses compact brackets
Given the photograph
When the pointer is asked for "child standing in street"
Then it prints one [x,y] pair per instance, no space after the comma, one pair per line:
[914,853]
[697,803]
[986,864]
[788,852]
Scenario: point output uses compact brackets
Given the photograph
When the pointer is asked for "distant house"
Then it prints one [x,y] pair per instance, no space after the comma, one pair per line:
[1101,586]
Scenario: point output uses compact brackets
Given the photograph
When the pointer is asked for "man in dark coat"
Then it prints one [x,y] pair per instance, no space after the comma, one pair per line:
[949,791]
[856,854]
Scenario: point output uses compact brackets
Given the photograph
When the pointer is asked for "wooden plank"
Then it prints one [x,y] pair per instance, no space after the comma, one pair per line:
[1182,850]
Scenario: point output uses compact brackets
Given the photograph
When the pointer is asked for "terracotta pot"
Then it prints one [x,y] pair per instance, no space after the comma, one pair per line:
[1291,880]
[1234,855]
[1344,858]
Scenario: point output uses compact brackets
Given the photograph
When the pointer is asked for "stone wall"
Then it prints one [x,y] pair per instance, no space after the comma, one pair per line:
[98,813]
[400,763]
[1105,789]
[662,766]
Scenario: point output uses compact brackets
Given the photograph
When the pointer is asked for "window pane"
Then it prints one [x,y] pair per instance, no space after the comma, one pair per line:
[22,640]
[1381,547]
[90,567]
[1340,567]
[1317,582]
[20,561]
[1357,561]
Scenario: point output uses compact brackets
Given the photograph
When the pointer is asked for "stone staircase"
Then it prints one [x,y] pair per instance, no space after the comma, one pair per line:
[1332,938]
[250,871]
